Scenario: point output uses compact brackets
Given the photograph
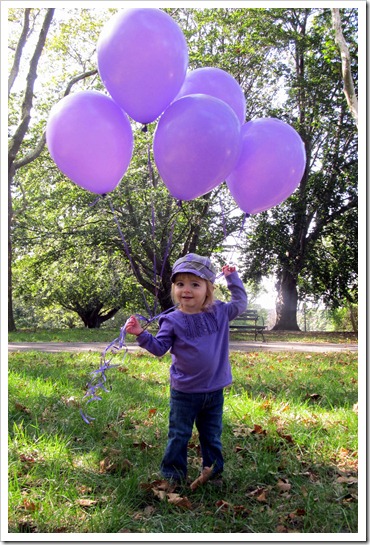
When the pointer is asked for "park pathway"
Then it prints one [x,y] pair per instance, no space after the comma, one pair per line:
[243,346]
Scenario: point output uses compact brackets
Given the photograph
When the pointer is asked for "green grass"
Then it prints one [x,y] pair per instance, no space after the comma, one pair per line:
[290,443]
[108,334]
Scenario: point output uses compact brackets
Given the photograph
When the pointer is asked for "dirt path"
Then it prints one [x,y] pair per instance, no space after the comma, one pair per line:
[242,346]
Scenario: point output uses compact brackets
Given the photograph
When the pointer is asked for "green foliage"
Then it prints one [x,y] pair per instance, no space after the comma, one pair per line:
[311,238]
[287,64]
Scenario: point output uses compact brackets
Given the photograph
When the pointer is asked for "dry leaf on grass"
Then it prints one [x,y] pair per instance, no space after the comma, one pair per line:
[260,494]
[283,485]
[142,445]
[30,505]
[165,491]
[86,502]
[347,479]
[288,438]
[22,408]
[114,466]
[179,501]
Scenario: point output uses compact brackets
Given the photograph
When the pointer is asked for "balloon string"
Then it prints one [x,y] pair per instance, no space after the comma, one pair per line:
[154,259]
[223,218]
[150,320]
[231,254]
[127,250]
[168,245]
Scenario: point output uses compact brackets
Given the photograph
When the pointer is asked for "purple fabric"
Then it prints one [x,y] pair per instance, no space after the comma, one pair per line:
[199,343]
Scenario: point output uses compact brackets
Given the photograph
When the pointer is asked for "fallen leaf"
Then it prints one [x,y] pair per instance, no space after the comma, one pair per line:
[149,510]
[259,430]
[288,438]
[256,492]
[70,401]
[262,497]
[84,489]
[179,501]
[22,408]
[161,494]
[283,485]
[295,514]
[86,502]
[28,458]
[114,466]
[223,505]
[142,445]
[30,505]
[159,484]
[347,480]
[280,529]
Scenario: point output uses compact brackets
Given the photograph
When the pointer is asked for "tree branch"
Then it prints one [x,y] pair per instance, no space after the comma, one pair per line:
[16,141]
[349,89]
[18,52]
[41,143]
[323,222]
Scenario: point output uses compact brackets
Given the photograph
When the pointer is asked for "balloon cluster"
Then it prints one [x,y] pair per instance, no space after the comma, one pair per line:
[200,140]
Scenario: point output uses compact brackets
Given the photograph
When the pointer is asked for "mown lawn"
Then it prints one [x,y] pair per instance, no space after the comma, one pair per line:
[290,442]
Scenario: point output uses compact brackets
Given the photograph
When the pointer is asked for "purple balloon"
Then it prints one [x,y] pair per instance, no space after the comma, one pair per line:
[90,139]
[270,167]
[196,145]
[217,83]
[142,61]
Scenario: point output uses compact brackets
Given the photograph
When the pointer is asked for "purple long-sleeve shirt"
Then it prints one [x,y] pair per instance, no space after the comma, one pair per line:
[199,343]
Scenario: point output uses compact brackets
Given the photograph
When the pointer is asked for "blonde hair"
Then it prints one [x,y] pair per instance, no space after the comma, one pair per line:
[210,292]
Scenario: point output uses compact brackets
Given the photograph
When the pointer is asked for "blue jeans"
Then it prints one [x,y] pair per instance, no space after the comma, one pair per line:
[205,409]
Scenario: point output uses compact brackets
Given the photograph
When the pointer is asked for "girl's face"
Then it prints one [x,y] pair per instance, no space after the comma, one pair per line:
[190,292]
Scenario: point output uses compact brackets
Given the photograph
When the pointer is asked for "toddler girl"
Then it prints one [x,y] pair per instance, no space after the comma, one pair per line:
[197,335]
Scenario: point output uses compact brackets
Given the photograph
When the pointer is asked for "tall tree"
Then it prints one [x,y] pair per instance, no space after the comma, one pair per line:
[16,140]
[285,237]
[22,148]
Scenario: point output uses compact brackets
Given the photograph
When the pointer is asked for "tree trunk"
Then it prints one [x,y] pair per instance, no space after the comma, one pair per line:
[93,319]
[286,303]
[354,317]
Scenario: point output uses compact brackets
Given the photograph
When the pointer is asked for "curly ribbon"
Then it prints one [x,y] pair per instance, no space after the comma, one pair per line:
[99,377]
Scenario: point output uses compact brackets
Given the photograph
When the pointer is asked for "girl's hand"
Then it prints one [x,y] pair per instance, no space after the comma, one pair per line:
[228,269]
[133,326]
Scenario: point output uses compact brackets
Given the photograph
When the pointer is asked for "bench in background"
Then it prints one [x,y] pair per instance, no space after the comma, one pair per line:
[249,321]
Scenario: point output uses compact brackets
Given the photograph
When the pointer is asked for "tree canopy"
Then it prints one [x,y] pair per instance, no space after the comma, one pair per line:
[96,258]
